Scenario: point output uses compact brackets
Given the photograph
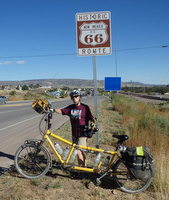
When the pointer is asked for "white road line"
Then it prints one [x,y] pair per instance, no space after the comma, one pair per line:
[9,111]
[2,129]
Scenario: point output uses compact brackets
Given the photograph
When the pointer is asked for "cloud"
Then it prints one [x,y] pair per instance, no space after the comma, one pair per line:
[20,62]
[6,62]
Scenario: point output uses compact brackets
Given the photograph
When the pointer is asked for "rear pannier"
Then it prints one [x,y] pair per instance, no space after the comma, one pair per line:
[139,161]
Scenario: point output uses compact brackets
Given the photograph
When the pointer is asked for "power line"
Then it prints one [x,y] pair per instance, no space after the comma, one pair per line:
[142,48]
[72,54]
[36,56]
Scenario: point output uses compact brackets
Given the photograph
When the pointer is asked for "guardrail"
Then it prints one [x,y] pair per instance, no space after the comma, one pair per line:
[147,96]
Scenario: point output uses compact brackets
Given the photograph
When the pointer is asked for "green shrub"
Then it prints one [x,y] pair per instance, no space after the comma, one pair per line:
[153,122]
[12,93]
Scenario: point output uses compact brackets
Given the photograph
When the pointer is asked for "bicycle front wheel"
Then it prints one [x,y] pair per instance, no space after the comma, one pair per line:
[32,161]
[126,181]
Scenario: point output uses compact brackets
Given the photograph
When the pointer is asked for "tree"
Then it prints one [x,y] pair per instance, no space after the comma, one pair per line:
[65,88]
[53,89]
[31,85]
[25,87]
[37,86]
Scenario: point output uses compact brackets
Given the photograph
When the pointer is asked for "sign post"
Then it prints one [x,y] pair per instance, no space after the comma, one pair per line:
[95,97]
[93,38]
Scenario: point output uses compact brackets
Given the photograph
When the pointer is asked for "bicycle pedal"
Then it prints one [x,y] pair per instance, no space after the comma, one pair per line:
[3,170]
[98,181]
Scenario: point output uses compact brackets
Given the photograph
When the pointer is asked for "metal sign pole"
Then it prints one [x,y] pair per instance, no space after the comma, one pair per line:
[95,97]
[93,34]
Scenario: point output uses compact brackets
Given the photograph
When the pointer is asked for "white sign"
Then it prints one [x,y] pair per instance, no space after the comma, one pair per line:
[93,33]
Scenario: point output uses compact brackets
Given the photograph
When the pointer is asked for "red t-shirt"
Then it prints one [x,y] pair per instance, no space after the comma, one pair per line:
[79,116]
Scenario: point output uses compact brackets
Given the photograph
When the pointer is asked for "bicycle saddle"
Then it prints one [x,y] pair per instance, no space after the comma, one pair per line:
[121,137]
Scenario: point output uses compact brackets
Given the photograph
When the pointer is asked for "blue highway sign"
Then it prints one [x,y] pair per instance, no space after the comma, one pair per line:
[112,84]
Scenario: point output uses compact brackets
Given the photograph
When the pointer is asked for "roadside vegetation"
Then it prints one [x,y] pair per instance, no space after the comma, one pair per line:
[147,89]
[33,92]
[16,95]
[146,124]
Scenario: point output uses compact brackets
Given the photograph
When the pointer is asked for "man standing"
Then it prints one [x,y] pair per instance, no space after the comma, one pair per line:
[80,115]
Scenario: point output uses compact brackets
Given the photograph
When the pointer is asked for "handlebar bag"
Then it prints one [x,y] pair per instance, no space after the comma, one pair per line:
[40,105]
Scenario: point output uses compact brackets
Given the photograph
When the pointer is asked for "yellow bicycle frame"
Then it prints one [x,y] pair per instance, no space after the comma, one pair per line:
[75,146]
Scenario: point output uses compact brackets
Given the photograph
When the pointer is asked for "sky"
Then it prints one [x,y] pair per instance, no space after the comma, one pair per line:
[38,40]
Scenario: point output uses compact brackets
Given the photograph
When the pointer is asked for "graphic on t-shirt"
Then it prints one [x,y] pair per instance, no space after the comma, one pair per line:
[76,114]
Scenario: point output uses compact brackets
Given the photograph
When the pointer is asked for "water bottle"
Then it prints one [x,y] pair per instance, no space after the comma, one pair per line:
[97,160]
[106,162]
[73,157]
[58,148]
[65,153]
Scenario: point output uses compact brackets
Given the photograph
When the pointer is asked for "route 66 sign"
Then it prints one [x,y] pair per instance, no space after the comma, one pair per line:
[93,33]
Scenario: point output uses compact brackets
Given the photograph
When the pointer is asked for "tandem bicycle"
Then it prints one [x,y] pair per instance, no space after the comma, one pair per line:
[33,159]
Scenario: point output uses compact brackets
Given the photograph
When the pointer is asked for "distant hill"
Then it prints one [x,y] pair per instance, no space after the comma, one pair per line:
[55,82]
[69,83]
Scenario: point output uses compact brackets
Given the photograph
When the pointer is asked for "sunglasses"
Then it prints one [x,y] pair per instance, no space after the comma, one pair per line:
[74,96]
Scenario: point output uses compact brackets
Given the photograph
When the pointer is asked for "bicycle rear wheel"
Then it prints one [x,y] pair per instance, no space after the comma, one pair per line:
[126,181]
[32,160]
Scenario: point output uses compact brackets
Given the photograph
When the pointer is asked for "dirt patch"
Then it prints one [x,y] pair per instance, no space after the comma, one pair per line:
[59,184]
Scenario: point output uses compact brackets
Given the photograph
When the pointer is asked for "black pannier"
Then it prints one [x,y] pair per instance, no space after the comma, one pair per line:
[139,161]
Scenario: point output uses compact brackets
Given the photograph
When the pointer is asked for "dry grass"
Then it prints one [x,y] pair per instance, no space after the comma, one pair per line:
[16,95]
[148,125]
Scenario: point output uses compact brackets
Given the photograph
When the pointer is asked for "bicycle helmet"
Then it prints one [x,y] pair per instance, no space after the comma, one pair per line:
[75,93]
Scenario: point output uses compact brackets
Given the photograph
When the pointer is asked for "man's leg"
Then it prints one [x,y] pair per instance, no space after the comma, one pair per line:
[81,156]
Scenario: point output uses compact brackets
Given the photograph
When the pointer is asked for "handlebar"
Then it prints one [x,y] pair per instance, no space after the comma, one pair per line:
[49,115]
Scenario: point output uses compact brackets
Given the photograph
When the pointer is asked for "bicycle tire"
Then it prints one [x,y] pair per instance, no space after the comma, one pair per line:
[125,180]
[32,161]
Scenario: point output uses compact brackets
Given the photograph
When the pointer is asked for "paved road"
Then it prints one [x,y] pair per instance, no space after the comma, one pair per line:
[18,122]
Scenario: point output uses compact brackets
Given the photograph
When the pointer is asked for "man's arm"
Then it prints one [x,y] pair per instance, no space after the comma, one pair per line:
[58,111]
[63,111]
